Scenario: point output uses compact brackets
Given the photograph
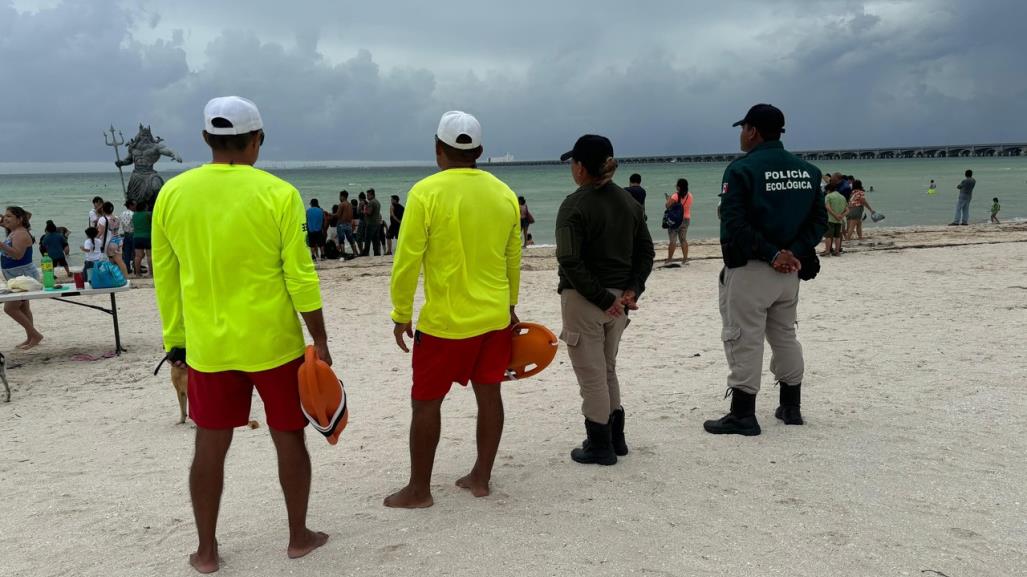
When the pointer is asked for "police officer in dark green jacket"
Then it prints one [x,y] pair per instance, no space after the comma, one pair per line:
[772,217]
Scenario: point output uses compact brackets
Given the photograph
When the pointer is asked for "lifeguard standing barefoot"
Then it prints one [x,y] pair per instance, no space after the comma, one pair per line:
[461,225]
[235,307]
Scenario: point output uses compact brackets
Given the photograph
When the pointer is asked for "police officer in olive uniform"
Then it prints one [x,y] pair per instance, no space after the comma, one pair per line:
[772,217]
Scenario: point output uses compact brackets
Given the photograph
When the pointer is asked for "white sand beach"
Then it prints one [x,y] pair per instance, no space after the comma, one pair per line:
[912,459]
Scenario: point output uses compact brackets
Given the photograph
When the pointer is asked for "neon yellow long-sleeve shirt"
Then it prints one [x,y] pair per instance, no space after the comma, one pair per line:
[462,226]
[231,268]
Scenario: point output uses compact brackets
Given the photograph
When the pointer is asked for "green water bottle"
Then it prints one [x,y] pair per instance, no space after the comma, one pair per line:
[47,264]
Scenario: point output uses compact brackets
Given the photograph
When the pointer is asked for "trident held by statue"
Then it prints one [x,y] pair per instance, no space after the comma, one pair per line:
[116,140]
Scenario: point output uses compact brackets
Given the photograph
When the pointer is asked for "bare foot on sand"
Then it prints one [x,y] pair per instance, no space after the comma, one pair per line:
[408,498]
[205,563]
[474,485]
[308,542]
[31,342]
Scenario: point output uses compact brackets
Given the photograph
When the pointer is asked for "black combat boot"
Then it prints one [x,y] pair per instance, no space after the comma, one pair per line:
[599,449]
[789,409]
[620,446]
[740,421]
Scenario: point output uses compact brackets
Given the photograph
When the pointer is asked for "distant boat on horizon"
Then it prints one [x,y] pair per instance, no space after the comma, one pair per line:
[505,158]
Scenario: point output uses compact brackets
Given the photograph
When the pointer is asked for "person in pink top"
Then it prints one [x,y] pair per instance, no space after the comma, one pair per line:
[857,204]
[684,197]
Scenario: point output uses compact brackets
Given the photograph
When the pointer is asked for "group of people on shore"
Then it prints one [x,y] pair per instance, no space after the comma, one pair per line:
[123,240]
[463,235]
[847,207]
[358,222]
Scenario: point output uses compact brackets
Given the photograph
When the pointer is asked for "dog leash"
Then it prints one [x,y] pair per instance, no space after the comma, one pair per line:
[175,355]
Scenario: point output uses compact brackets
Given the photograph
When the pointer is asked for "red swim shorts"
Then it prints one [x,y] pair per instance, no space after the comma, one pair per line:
[222,400]
[438,363]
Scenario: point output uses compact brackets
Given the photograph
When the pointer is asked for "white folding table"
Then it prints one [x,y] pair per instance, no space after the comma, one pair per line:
[68,291]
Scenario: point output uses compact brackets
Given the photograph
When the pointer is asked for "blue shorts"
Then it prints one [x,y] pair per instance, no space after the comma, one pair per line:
[345,233]
[28,270]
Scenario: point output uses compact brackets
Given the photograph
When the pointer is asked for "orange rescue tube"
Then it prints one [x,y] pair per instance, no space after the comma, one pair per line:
[534,347]
[322,397]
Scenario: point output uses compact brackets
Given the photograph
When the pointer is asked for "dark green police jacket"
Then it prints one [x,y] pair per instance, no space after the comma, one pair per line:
[770,201]
[602,242]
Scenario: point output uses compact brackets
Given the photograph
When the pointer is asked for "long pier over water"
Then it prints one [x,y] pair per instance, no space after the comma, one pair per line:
[950,151]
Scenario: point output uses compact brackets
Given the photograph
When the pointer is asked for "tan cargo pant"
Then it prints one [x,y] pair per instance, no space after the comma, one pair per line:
[757,303]
[593,338]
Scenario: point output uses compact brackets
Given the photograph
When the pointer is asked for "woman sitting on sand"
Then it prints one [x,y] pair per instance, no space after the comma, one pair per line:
[857,202]
[15,261]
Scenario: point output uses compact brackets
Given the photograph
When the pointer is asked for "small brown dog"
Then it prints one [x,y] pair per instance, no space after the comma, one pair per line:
[180,380]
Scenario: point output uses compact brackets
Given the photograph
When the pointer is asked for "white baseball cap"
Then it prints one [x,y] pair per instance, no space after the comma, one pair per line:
[455,124]
[236,115]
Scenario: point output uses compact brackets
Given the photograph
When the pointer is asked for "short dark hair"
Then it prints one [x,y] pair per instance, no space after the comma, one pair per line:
[635,178]
[395,197]
[522,200]
[230,141]
[343,194]
[683,184]
[92,232]
[857,184]
[314,202]
[97,199]
[370,192]
[51,227]
[130,204]
[108,207]
[969,173]
[460,155]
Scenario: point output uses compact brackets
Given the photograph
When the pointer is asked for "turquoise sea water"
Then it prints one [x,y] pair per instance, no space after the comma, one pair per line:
[900,189]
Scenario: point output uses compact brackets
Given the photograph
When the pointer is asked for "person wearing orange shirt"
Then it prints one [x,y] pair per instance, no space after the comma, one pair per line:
[683,197]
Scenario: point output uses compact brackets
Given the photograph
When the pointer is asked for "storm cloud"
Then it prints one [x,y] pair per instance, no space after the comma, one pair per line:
[356,81]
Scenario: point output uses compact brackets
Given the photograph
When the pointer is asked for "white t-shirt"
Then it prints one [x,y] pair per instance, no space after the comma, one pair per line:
[92,217]
[113,226]
[92,250]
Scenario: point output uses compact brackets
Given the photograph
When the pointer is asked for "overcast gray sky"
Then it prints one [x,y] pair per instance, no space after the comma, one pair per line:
[350,80]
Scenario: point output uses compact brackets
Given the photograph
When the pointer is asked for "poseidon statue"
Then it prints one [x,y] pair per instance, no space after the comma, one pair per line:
[143,152]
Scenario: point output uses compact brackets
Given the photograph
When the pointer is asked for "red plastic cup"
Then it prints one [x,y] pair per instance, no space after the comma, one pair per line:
[80,280]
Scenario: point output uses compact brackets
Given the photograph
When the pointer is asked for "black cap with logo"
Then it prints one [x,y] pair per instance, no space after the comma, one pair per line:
[764,116]
[591,150]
